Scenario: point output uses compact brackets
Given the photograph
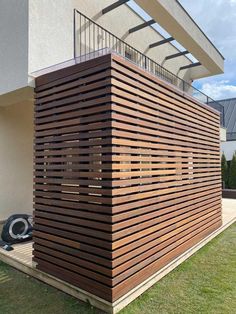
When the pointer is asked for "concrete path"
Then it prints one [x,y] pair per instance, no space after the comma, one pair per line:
[228,210]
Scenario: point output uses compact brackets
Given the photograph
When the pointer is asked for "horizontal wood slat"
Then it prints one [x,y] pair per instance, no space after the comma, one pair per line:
[126,175]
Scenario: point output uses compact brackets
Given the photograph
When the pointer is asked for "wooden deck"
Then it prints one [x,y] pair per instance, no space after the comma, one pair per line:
[22,253]
[21,258]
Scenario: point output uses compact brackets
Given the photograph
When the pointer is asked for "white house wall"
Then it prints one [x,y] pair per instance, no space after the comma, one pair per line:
[36,34]
[51,32]
[16,159]
[14,45]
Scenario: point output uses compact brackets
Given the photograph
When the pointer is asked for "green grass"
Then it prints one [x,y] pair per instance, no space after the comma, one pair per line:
[205,283]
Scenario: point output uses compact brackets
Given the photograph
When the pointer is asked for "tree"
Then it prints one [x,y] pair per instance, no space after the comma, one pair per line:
[224,171]
[232,173]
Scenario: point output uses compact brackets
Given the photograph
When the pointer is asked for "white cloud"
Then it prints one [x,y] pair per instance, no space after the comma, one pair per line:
[219,90]
[217,20]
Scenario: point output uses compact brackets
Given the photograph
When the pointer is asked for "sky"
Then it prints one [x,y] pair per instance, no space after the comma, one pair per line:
[217,19]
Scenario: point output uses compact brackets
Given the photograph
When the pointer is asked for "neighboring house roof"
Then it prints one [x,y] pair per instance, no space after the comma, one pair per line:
[230,116]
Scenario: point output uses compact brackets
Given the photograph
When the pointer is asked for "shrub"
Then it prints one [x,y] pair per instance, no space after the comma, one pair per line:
[232,173]
[224,171]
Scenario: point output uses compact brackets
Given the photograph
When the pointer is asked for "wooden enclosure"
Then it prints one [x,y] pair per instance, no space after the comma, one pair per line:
[127,175]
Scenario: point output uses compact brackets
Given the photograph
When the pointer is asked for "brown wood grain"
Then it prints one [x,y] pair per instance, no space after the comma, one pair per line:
[126,174]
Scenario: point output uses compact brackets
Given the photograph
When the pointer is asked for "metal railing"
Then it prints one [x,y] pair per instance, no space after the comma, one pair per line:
[92,39]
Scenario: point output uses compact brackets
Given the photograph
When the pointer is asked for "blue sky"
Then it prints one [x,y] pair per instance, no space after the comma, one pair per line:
[217,18]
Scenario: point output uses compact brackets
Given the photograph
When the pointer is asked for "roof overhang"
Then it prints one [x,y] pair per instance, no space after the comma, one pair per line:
[17,96]
[171,16]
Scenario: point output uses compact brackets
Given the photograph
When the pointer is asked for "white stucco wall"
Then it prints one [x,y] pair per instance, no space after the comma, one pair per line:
[228,148]
[14,45]
[51,32]
[35,34]
[223,134]
[16,159]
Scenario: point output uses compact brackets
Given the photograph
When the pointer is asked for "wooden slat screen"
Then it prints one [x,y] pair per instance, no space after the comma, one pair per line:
[127,175]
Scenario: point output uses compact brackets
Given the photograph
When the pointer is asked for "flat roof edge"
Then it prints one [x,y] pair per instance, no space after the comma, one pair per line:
[171,16]
[199,28]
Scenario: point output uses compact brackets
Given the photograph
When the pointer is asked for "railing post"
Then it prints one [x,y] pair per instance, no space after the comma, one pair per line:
[74,33]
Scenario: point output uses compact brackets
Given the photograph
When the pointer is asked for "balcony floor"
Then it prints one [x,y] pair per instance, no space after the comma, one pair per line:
[21,258]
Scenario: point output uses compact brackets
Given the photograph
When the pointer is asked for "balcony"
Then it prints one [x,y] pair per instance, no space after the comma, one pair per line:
[91,39]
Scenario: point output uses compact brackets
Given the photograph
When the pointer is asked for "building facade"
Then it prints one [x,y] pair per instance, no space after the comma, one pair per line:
[45,33]
[104,135]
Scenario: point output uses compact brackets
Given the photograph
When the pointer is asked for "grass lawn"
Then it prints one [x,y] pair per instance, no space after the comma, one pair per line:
[205,283]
